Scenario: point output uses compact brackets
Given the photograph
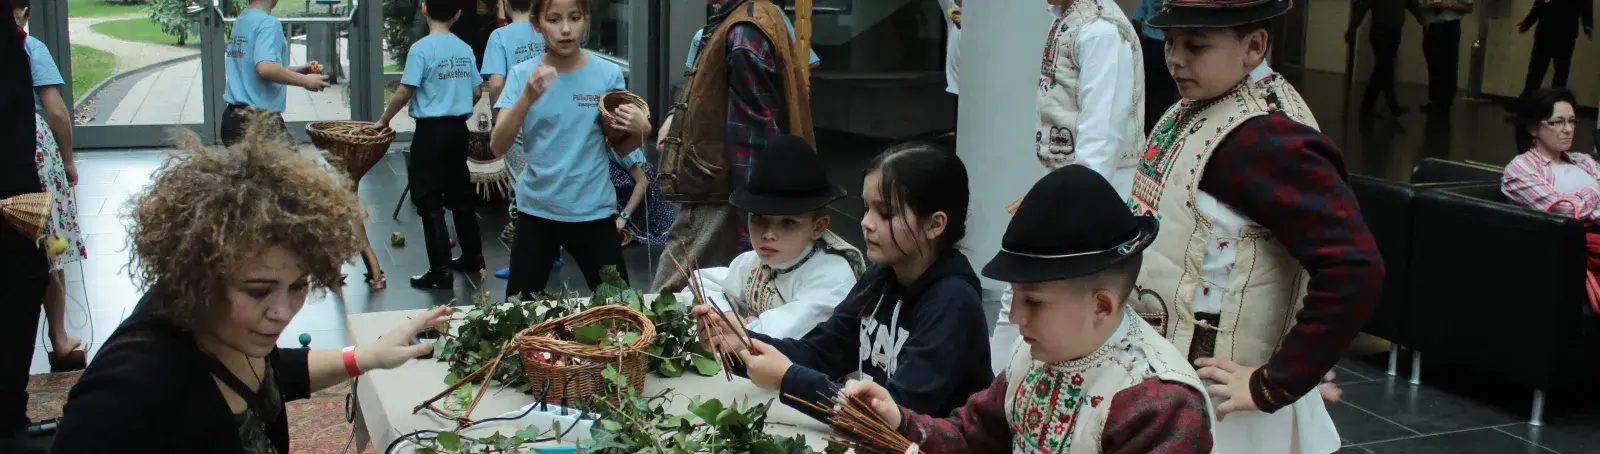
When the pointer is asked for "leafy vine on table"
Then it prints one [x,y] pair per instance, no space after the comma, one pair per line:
[488,324]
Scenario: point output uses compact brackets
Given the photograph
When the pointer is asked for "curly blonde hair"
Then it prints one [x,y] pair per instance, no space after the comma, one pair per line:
[210,211]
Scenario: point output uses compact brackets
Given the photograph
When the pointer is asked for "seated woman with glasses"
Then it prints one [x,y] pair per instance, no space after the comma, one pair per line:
[1547,176]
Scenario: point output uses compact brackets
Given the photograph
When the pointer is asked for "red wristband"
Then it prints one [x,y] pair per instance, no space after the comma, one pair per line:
[350,362]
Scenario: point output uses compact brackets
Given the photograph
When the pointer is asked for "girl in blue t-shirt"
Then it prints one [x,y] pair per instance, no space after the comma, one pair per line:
[564,192]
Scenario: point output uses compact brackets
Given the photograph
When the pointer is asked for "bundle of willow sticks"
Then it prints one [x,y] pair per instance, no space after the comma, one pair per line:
[859,428]
[728,359]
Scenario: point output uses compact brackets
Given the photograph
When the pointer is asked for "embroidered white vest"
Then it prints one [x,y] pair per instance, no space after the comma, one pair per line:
[1209,258]
[1062,408]
[1056,135]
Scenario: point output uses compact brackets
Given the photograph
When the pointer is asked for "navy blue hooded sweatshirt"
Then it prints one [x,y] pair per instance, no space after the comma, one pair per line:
[926,342]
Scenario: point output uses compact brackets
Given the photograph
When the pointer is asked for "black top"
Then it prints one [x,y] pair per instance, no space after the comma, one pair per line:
[1559,19]
[923,342]
[150,390]
[18,172]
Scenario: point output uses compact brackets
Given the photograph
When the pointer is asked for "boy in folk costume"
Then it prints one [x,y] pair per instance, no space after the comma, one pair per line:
[799,271]
[747,85]
[1268,271]
[1090,108]
[1091,376]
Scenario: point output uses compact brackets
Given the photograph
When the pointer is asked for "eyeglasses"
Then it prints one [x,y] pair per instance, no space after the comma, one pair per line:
[1559,123]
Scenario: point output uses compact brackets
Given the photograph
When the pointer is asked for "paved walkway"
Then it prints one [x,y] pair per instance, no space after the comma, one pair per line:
[131,55]
[174,95]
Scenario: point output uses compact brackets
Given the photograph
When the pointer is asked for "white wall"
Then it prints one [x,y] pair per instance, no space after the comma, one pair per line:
[1002,43]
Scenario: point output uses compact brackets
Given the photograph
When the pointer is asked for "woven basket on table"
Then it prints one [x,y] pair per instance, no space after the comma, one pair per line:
[358,144]
[580,377]
[28,213]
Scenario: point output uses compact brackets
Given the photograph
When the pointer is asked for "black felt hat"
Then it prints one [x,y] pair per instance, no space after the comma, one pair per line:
[1071,224]
[787,179]
[1216,13]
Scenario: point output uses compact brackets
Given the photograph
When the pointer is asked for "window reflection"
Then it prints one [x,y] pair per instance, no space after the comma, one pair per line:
[609,22]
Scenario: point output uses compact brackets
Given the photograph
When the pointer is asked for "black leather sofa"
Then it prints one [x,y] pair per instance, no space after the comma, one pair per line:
[1435,170]
[1499,289]
[1388,208]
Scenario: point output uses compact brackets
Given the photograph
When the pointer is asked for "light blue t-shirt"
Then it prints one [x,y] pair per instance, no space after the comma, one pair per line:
[1146,10]
[633,159]
[567,178]
[443,71]
[45,72]
[694,44]
[257,37]
[514,43]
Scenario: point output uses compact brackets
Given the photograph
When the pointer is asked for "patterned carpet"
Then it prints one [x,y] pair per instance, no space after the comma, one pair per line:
[316,425]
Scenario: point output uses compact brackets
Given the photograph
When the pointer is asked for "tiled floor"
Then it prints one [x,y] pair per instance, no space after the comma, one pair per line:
[1450,413]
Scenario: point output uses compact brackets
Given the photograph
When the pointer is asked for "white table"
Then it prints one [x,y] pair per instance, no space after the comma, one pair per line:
[385,397]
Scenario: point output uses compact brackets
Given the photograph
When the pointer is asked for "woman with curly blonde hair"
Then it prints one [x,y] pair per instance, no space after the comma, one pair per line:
[227,245]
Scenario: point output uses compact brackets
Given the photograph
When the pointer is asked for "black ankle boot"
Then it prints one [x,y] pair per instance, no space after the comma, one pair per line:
[437,239]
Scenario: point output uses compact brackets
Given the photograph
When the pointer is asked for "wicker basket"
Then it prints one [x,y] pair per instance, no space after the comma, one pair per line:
[358,144]
[611,100]
[580,377]
[28,213]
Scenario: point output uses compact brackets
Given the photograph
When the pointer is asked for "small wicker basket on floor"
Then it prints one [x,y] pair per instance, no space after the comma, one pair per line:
[580,376]
[27,213]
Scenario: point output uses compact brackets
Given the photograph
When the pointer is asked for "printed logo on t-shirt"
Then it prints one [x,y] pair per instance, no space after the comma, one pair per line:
[525,52]
[455,68]
[880,344]
[586,100]
[236,46]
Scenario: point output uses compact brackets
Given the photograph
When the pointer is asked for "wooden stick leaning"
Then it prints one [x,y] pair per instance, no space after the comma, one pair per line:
[856,426]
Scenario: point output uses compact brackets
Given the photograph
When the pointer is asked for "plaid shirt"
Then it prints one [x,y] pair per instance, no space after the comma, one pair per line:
[755,96]
[1290,179]
[1530,181]
[1151,417]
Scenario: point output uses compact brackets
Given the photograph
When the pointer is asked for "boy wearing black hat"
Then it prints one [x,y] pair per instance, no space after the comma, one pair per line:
[1268,271]
[1091,376]
[798,271]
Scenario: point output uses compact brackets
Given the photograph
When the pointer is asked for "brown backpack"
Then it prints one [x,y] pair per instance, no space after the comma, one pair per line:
[694,156]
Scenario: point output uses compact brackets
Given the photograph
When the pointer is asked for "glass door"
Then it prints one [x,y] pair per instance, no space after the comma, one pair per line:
[132,71]
[135,70]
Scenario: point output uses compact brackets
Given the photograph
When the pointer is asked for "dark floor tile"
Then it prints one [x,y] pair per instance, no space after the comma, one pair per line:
[1480,441]
[1353,450]
[1424,409]
[1367,368]
[1357,426]
[1566,434]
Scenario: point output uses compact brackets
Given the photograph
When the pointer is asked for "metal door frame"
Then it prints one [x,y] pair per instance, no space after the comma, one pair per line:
[49,21]
[50,24]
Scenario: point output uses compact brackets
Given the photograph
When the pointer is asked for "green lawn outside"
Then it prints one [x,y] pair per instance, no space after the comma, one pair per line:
[392,68]
[99,8]
[89,67]
[140,29]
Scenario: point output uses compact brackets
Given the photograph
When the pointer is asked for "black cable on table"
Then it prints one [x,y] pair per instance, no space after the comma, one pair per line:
[543,392]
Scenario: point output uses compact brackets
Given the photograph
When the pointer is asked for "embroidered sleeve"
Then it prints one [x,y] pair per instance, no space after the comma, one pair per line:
[978,426]
[755,98]
[1157,417]
[1527,182]
[1290,179]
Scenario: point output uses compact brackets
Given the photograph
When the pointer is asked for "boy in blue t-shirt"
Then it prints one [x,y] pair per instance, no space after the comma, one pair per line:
[441,84]
[514,43]
[257,70]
